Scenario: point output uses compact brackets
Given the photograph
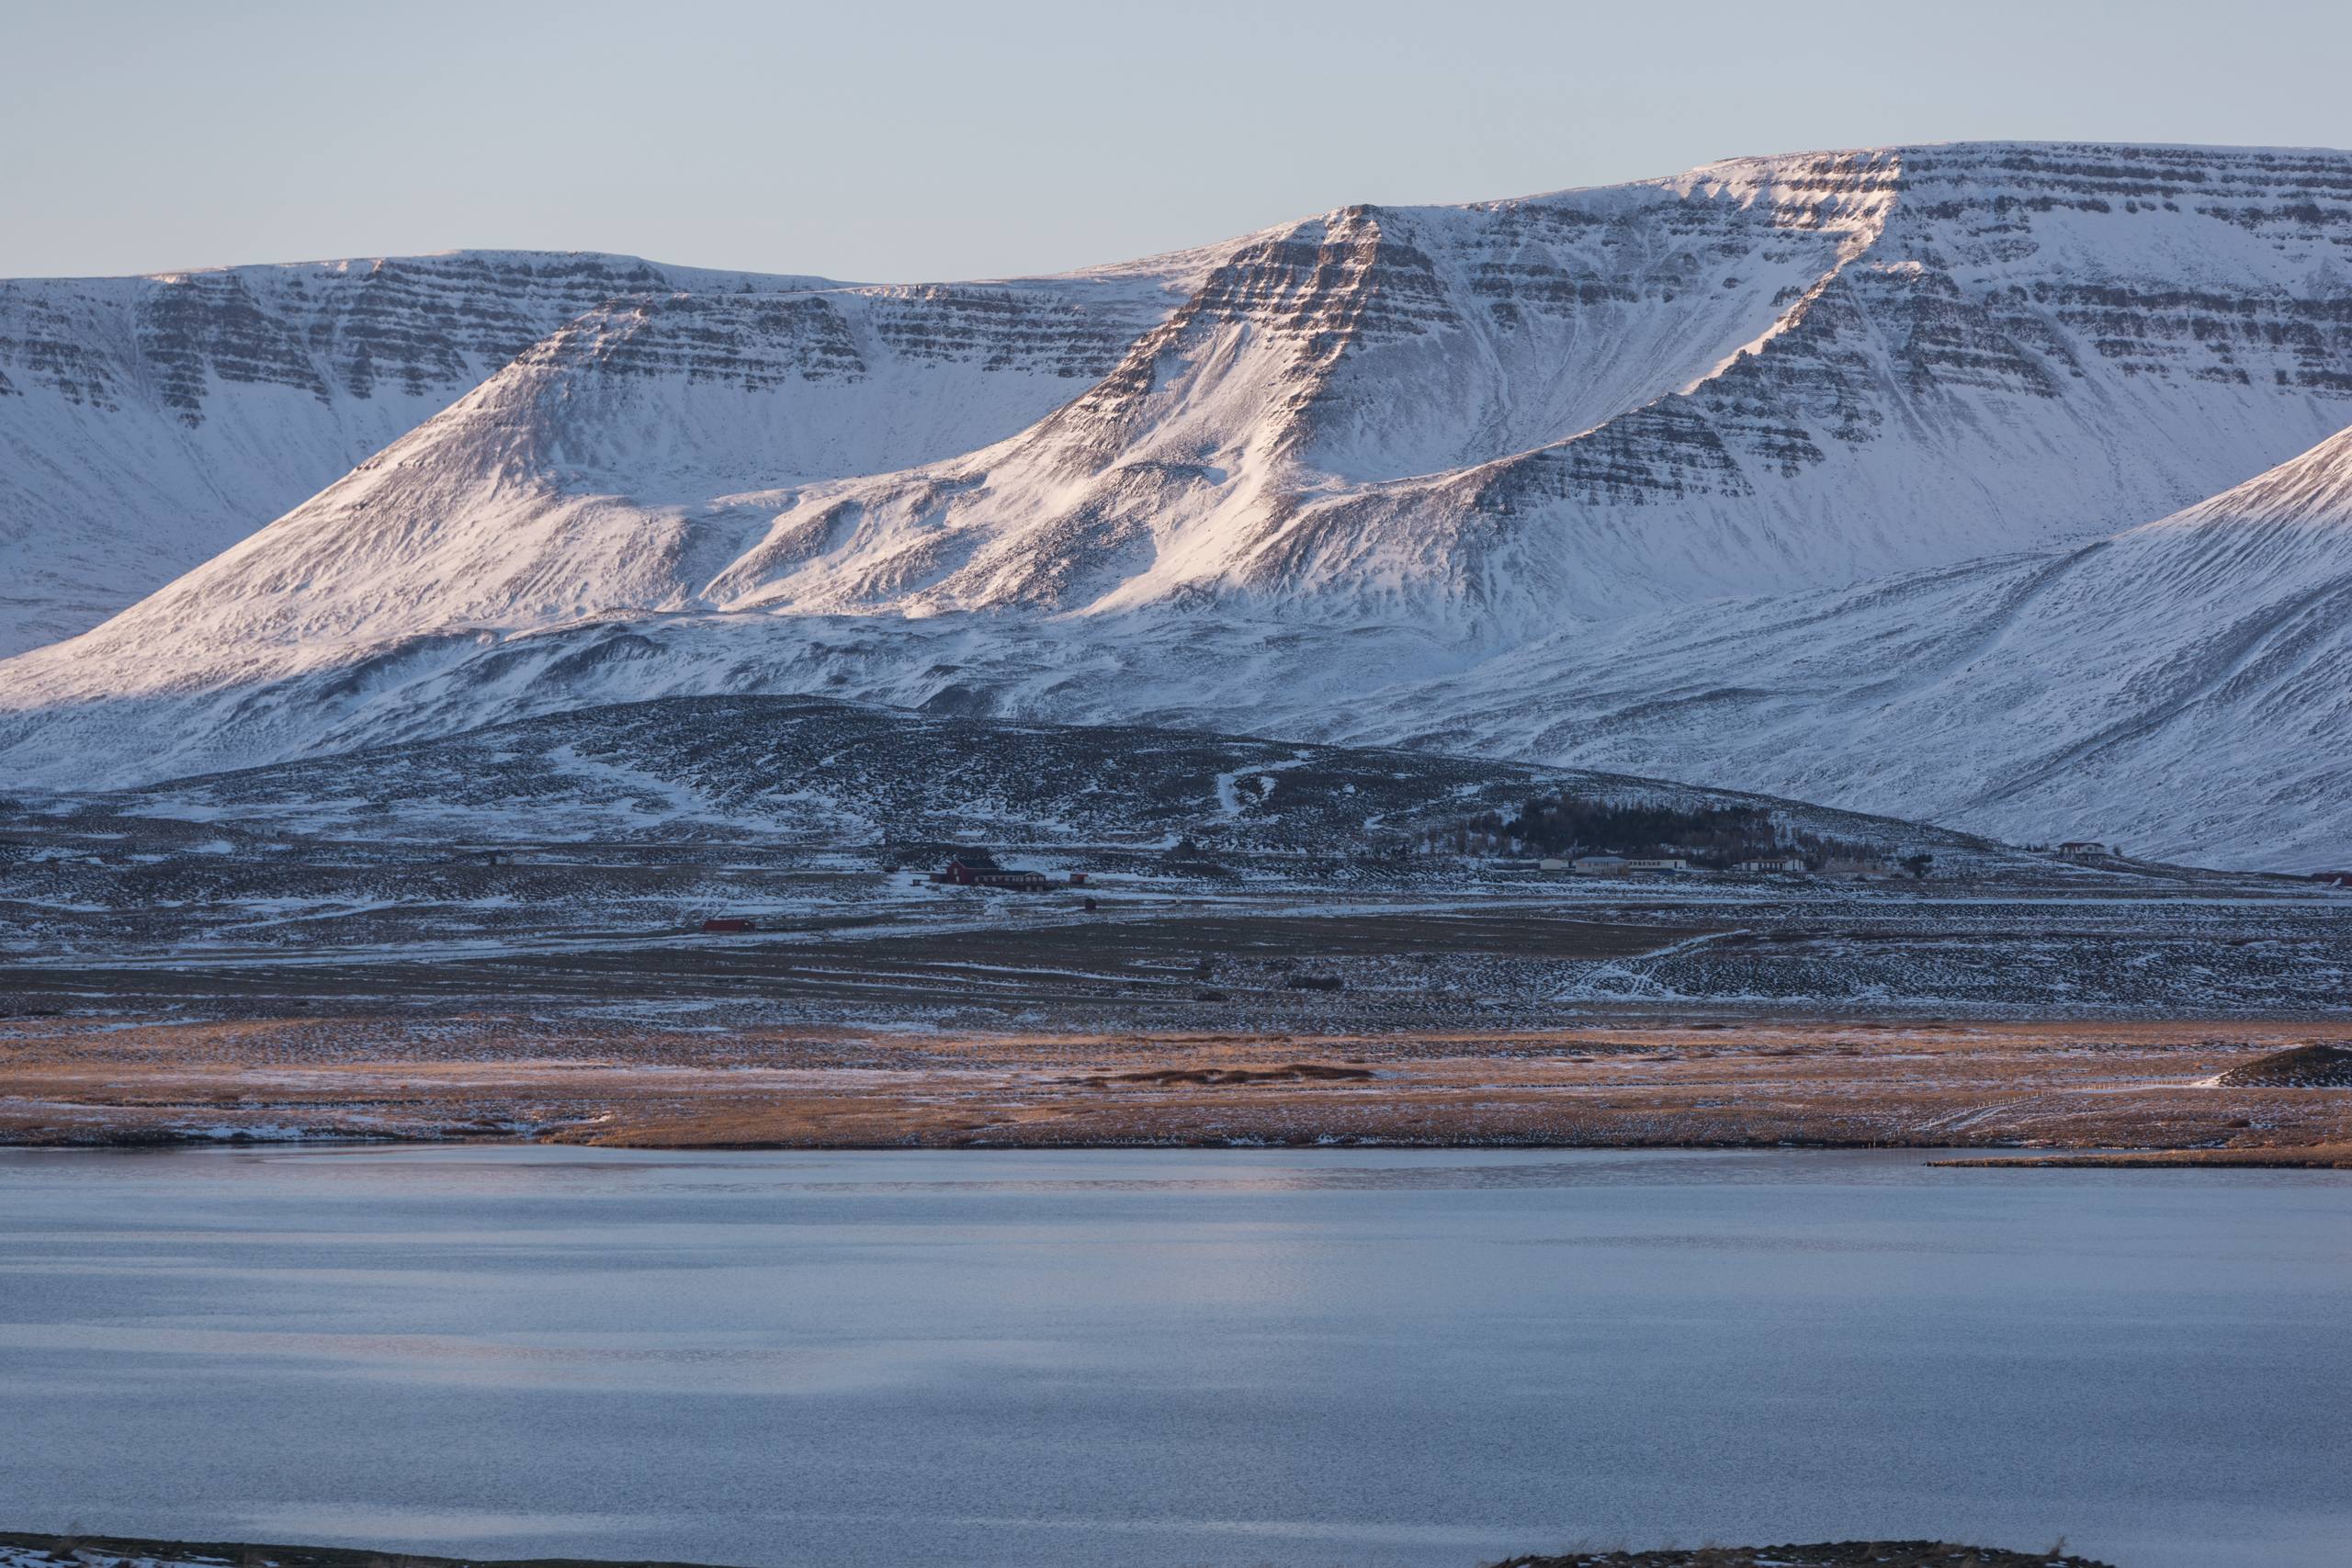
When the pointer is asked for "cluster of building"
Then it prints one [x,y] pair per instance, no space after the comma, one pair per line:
[978,868]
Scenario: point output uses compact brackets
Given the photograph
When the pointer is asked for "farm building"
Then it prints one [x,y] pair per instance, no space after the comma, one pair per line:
[978,868]
[1792,866]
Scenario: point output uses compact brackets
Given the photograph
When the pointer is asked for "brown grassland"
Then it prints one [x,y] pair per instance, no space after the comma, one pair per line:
[2124,1086]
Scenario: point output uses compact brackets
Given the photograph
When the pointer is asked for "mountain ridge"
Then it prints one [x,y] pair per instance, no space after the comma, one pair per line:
[1468,475]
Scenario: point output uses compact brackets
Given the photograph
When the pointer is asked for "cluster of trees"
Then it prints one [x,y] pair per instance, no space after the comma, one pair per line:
[1717,836]
[1711,835]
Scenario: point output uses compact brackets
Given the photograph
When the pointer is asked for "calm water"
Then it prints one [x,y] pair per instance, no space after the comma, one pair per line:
[1171,1359]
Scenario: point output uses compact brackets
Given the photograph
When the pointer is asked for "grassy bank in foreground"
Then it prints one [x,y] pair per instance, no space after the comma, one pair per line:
[2318,1157]
[21,1550]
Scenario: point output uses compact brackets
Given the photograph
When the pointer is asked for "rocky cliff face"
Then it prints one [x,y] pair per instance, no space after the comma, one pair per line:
[2011,283]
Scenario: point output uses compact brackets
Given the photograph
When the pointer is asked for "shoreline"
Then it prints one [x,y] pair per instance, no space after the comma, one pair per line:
[2314,1158]
[32,1549]
[2336,1156]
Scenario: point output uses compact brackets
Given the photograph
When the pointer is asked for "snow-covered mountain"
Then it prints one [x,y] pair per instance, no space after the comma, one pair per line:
[2180,688]
[1766,374]
[148,424]
[1783,474]
[2183,687]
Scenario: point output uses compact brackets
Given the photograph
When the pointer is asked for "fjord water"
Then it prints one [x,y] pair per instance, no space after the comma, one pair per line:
[1171,1358]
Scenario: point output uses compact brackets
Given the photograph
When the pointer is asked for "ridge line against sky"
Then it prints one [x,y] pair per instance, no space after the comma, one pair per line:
[820,282]
[943,141]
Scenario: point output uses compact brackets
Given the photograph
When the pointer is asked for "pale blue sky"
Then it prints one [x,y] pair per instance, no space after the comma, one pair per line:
[919,141]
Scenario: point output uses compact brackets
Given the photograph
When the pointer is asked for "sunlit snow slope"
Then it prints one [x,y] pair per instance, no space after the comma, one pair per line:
[1767,374]
[147,423]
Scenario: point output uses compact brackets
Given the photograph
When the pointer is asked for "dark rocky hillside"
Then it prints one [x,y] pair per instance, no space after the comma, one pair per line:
[2306,1066]
[811,770]
[1829,1555]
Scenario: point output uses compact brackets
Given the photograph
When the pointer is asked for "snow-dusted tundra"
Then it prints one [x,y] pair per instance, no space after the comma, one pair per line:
[2001,485]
